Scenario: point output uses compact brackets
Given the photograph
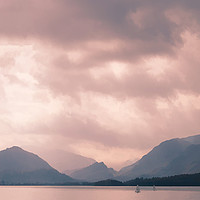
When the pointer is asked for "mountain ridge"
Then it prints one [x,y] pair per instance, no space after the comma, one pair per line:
[156,162]
[22,167]
[95,172]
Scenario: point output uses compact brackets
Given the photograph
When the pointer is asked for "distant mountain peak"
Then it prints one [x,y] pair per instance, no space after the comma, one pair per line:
[99,164]
[95,172]
[14,148]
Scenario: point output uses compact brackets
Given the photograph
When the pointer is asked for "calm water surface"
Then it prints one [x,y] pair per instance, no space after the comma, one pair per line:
[98,193]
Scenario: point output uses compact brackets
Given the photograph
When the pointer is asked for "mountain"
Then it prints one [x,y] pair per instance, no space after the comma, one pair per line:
[65,161]
[193,139]
[21,167]
[165,159]
[16,159]
[95,172]
[188,162]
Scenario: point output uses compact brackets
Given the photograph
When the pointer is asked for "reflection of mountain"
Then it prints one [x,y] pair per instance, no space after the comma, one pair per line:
[176,156]
[94,172]
[21,167]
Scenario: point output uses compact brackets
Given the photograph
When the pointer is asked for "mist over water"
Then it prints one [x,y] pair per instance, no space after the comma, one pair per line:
[98,193]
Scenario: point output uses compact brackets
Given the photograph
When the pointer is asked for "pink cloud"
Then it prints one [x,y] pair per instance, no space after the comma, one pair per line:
[117,74]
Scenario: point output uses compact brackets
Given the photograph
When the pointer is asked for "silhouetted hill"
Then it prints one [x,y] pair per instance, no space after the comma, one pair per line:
[21,167]
[18,160]
[187,162]
[177,180]
[192,139]
[94,172]
[176,156]
[108,182]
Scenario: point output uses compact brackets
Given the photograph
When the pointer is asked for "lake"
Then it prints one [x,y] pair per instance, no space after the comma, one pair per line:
[97,193]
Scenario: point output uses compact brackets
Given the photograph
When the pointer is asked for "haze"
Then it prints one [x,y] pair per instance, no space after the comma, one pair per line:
[105,79]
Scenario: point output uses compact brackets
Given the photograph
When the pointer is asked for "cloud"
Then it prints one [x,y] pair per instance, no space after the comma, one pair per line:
[140,28]
[109,75]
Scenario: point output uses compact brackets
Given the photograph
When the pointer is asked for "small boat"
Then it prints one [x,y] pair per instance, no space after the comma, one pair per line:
[137,189]
[154,188]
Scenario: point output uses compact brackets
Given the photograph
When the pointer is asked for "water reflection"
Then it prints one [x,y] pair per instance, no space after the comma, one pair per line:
[99,193]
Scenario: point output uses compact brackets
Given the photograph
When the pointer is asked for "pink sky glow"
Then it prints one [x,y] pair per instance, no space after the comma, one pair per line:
[106,79]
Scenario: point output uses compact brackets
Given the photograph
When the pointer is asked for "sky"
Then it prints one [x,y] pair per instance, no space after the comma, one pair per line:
[105,79]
